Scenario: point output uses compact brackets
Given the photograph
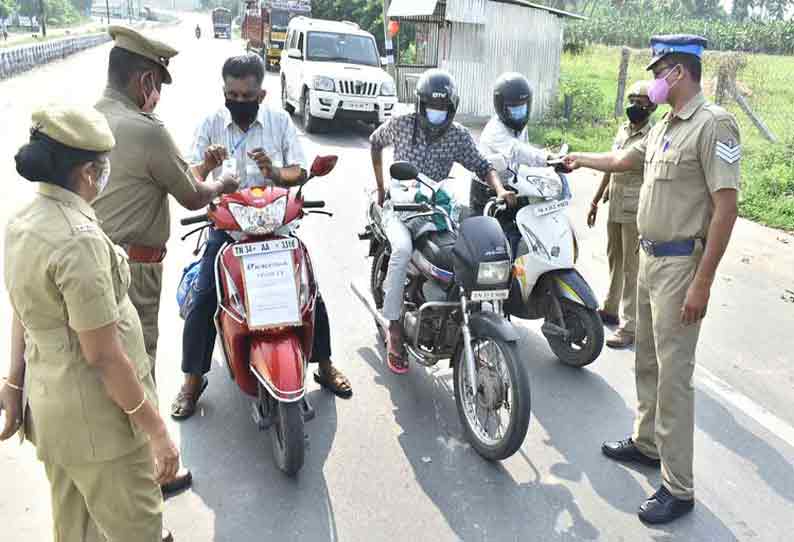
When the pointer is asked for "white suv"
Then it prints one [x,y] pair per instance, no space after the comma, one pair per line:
[332,70]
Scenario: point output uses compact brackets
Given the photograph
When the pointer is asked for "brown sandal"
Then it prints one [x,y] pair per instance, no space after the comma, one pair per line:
[184,406]
[334,381]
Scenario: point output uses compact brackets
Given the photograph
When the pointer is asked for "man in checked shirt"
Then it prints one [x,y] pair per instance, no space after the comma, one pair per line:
[431,141]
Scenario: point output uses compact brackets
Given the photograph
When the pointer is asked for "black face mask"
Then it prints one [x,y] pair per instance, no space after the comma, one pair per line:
[637,114]
[243,113]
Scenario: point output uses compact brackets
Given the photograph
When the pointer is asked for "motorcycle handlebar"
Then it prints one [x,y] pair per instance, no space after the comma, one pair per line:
[313,204]
[411,207]
[194,219]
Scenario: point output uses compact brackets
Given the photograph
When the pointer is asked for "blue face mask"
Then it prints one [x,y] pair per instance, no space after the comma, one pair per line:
[436,116]
[518,112]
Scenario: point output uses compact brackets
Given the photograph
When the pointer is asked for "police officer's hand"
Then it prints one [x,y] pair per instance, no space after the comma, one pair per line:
[591,216]
[11,407]
[695,304]
[166,457]
[214,157]
[231,184]
[262,160]
[571,162]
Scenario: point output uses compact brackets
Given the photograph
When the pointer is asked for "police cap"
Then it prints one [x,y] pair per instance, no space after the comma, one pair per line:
[79,127]
[135,42]
[685,44]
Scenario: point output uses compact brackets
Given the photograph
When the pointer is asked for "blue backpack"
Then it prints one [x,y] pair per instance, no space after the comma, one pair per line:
[186,292]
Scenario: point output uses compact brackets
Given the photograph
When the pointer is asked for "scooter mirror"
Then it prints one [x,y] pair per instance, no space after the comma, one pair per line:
[403,171]
[323,165]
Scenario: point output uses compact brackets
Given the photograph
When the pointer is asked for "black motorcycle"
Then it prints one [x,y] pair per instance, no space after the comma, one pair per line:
[456,283]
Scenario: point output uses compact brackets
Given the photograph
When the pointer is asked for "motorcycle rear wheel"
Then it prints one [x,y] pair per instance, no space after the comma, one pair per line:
[506,384]
[587,336]
[287,437]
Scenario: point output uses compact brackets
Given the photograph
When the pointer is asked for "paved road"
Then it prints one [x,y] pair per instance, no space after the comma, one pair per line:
[391,463]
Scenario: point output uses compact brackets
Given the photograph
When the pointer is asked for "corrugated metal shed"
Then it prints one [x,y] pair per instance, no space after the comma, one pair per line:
[513,38]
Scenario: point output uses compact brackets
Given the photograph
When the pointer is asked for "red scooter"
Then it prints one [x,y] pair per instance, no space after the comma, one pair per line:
[266,303]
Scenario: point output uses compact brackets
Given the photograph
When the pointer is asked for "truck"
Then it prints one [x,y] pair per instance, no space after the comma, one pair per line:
[265,26]
[222,23]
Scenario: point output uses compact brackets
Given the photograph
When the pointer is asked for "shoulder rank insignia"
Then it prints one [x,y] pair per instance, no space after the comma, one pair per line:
[84,228]
[729,151]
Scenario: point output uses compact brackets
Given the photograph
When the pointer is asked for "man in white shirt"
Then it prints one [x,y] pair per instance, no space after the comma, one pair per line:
[264,144]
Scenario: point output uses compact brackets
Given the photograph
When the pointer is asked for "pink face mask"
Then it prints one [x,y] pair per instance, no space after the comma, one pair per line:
[150,101]
[659,90]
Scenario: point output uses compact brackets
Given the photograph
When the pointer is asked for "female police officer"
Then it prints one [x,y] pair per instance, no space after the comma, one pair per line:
[77,344]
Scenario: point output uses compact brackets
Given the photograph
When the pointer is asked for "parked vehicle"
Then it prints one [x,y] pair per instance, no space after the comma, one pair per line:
[265,23]
[266,303]
[332,71]
[546,283]
[456,283]
[222,23]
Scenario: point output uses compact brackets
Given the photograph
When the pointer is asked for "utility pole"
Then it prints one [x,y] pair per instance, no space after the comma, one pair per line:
[42,19]
[107,7]
[389,50]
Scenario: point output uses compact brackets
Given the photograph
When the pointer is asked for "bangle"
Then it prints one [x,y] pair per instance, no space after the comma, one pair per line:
[593,204]
[13,386]
[137,408]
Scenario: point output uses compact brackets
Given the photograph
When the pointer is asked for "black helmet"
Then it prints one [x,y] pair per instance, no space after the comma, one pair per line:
[512,90]
[436,90]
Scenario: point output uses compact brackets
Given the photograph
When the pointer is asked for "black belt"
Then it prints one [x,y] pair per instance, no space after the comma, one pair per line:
[668,248]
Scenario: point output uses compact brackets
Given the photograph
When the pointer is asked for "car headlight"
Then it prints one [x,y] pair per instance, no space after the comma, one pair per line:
[260,221]
[490,273]
[324,83]
[387,88]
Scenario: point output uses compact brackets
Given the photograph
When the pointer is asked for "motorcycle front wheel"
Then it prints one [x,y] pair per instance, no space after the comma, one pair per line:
[286,434]
[496,419]
[586,339]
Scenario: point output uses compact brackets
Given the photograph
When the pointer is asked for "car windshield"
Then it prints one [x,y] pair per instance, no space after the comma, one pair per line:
[336,47]
[279,18]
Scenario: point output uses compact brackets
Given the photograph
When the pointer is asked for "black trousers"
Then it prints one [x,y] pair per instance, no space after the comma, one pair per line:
[198,336]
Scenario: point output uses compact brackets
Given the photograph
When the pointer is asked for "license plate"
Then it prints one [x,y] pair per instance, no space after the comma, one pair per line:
[265,247]
[359,106]
[553,207]
[490,295]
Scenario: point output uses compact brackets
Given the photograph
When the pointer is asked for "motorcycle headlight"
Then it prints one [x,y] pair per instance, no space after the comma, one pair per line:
[324,83]
[490,273]
[260,221]
[387,88]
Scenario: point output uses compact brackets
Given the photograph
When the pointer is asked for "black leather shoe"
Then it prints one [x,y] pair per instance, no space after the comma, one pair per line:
[182,481]
[625,450]
[167,536]
[662,507]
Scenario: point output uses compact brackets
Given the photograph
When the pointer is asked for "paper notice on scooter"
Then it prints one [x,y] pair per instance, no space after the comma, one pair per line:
[271,291]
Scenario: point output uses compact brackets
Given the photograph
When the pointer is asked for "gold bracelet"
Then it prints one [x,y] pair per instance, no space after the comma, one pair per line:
[137,408]
[13,386]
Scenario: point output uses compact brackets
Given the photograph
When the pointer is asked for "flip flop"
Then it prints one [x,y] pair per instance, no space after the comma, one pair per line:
[334,383]
[184,406]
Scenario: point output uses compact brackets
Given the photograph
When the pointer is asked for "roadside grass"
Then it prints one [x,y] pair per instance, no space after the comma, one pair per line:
[766,81]
[53,33]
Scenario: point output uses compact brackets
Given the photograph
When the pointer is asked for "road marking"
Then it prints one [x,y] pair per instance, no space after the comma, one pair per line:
[741,402]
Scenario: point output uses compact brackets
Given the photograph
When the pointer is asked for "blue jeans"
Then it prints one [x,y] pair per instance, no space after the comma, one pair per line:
[198,336]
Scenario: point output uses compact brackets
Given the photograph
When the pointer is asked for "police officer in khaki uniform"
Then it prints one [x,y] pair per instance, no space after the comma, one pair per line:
[77,345]
[622,190]
[147,167]
[687,210]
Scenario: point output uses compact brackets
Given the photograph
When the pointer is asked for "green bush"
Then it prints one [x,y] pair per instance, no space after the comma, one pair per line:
[589,102]
[774,37]
[767,192]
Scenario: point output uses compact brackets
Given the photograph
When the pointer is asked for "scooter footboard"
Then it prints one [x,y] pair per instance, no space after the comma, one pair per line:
[278,362]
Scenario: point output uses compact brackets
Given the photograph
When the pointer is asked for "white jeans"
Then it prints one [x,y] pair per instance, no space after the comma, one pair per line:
[402,247]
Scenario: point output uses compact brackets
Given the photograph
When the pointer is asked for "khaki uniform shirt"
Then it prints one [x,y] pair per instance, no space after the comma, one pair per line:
[146,166]
[65,276]
[687,157]
[624,188]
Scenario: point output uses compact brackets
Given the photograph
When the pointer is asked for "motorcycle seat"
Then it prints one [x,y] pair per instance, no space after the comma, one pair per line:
[437,247]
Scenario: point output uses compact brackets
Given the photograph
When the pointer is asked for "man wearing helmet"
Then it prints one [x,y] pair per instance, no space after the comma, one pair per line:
[622,190]
[504,142]
[430,140]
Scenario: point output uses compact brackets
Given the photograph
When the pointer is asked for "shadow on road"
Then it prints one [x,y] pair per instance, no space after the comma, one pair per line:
[236,477]
[465,488]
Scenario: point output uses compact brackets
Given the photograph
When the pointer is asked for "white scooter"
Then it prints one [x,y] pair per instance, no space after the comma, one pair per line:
[546,284]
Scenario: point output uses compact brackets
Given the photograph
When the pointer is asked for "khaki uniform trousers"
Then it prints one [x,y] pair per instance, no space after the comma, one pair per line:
[665,363]
[624,260]
[113,501]
[145,286]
